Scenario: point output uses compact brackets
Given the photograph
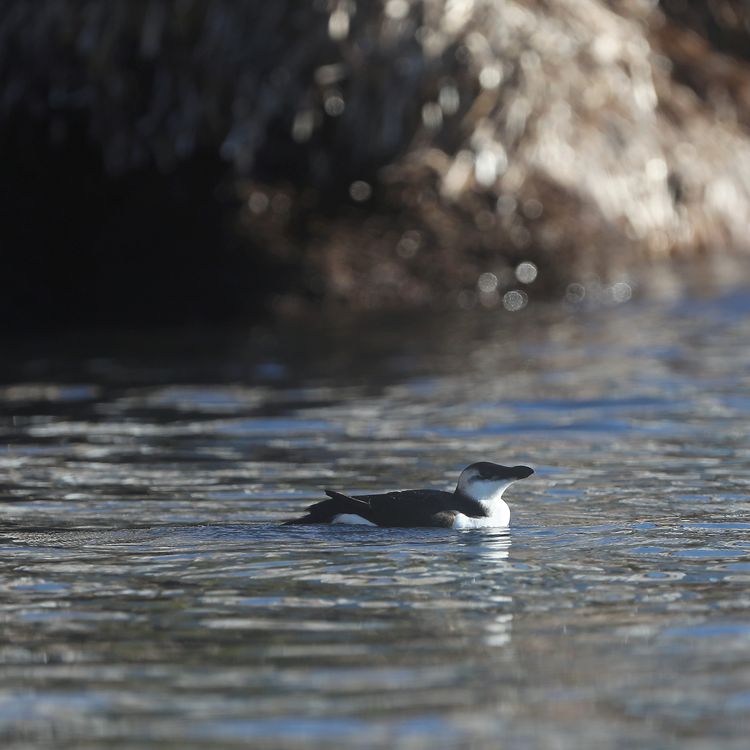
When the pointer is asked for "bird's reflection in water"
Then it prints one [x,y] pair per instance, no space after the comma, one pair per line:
[489,549]
[491,545]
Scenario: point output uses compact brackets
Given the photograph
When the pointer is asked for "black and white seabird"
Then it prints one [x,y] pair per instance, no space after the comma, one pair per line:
[477,502]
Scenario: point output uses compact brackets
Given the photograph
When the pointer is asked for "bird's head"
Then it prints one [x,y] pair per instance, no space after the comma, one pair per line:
[486,482]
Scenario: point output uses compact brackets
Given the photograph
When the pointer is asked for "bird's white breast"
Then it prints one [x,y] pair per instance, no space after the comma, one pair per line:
[499,519]
[489,494]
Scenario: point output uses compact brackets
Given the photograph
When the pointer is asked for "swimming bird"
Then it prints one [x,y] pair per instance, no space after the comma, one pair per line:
[477,502]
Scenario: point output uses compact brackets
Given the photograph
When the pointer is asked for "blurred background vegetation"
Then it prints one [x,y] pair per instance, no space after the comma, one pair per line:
[205,160]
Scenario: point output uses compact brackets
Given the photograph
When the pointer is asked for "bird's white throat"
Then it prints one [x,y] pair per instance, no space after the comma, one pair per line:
[486,491]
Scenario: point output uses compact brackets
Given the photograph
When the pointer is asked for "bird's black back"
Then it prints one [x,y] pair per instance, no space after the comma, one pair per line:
[402,508]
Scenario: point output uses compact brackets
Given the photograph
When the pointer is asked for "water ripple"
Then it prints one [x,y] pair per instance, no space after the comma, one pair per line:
[149,596]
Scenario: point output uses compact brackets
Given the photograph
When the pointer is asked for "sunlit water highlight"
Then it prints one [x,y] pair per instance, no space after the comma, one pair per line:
[150,597]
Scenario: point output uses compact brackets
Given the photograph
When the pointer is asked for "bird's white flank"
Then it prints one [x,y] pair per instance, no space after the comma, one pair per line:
[352,519]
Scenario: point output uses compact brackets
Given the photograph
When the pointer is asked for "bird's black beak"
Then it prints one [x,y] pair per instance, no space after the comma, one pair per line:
[521,472]
[497,472]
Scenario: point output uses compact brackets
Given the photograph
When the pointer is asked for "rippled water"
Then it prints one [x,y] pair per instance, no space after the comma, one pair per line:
[150,598]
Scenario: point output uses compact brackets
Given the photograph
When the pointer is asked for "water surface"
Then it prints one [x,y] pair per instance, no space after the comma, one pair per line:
[150,598]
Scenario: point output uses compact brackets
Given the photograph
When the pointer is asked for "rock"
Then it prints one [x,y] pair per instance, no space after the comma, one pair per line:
[387,156]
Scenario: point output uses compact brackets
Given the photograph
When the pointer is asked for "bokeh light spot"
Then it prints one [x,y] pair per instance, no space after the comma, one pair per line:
[449,99]
[490,76]
[575,293]
[334,105]
[432,115]
[360,191]
[338,24]
[303,126]
[515,300]
[258,202]
[408,245]
[621,292]
[526,272]
[506,205]
[487,282]
[397,9]
[532,208]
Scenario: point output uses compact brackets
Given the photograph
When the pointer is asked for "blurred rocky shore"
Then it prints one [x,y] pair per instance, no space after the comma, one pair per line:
[207,160]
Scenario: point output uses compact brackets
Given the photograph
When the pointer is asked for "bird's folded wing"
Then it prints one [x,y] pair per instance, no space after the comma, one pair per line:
[345,498]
